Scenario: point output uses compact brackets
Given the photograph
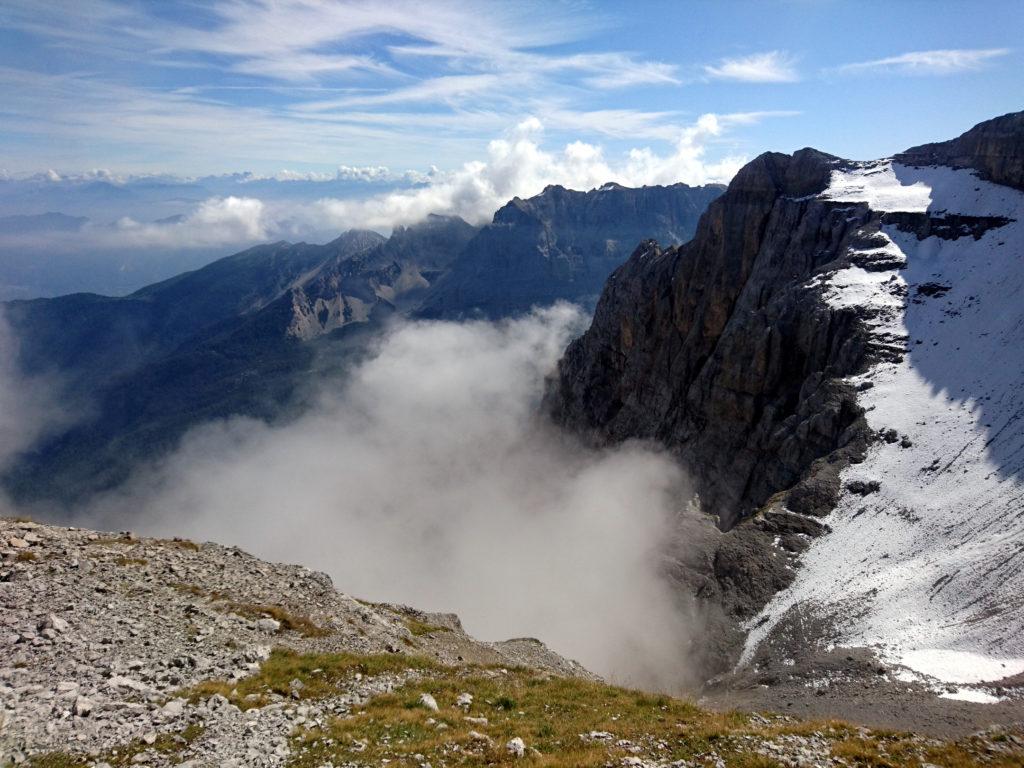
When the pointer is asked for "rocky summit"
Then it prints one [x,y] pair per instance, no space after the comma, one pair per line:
[120,651]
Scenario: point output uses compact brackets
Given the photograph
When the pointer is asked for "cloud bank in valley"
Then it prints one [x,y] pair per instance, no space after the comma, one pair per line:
[428,479]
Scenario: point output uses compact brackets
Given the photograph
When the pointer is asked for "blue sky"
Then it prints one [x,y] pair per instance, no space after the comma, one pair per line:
[195,88]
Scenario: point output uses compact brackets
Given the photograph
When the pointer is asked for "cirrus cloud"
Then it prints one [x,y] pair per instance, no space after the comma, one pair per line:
[769,67]
[937,62]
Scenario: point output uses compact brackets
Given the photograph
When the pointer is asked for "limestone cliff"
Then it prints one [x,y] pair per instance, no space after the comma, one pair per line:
[719,349]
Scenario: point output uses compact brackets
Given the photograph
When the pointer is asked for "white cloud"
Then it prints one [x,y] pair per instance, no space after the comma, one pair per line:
[769,67]
[366,93]
[429,483]
[300,66]
[438,89]
[517,166]
[938,62]
[217,221]
[365,173]
[30,406]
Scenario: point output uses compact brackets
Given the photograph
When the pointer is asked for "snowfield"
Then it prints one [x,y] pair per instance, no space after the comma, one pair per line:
[929,570]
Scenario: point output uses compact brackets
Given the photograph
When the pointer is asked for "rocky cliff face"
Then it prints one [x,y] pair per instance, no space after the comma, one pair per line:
[561,244]
[719,348]
[392,276]
[994,148]
[832,342]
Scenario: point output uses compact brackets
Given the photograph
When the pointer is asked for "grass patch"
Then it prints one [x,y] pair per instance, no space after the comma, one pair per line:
[188,589]
[168,744]
[17,518]
[26,556]
[179,544]
[555,717]
[289,621]
[111,541]
[420,628]
[321,675]
[548,713]
[122,560]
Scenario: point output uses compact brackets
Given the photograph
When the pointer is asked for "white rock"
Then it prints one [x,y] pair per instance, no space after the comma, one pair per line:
[55,622]
[173,708]
[270,626]
[119,681]
[516,747]
[82,707]
[477,736]
[429,702]
[464,700]
[476,720]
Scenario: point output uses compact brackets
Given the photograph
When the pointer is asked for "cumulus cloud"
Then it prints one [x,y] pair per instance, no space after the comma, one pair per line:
[517,165]
[938,62]
[364,172]
[216,221]
[428,480]
[769,67]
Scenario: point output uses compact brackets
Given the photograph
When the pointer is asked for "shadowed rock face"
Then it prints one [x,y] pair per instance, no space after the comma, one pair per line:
[720,349]
[995,148]
[561,244]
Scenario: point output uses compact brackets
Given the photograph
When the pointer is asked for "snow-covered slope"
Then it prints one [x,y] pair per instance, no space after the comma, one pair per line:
[929,568]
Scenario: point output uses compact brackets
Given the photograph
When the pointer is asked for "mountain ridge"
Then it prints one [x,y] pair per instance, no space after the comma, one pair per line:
[817,356]
[240,335]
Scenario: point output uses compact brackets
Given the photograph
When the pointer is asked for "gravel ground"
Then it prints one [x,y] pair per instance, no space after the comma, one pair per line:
[99,631]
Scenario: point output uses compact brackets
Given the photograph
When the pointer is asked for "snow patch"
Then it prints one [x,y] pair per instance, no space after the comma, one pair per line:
[887,186]
[876,184]
[971,694]
[960,666]
[929,570]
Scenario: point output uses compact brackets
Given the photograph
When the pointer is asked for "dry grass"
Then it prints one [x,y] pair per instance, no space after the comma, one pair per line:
[17,518]
[551,713]
[26,556]
[169,744]
[179,544]
[188,589]
[289,621]
[420,628]
[321,675]
[111,541]
[122,560]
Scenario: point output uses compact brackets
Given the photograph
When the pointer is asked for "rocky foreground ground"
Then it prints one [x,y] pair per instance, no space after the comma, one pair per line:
[117,650]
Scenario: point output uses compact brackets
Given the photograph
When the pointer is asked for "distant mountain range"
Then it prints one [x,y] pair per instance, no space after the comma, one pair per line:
[242,336]
[561,244]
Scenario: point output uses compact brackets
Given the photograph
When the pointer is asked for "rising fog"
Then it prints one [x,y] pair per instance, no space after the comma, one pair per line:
[427,479]
[30,406]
